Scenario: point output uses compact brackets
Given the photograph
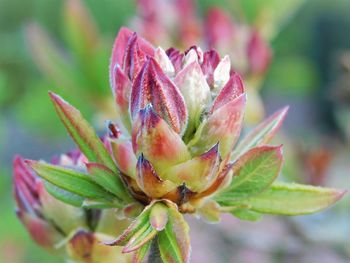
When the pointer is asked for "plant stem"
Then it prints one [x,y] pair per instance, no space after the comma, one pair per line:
[154,254]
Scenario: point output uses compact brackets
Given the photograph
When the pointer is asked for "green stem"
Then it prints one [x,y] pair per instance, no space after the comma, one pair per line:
[154,254]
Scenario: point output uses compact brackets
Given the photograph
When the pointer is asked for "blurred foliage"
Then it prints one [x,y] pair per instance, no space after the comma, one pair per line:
[71,69]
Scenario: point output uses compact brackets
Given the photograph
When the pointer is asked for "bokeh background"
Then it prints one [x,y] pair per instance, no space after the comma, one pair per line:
[310,71]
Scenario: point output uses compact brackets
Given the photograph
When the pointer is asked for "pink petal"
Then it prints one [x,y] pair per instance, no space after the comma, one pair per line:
[211,59]
[152,86]
[232,90]
[121,88]
[120,45]
[124,157]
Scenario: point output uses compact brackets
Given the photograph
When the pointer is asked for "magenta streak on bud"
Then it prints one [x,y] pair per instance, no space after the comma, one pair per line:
[197,51]
[25,190]
[120,45]
[121,88]
[211,59]
[233,89]
[176,57]
[134,57]
[152,86]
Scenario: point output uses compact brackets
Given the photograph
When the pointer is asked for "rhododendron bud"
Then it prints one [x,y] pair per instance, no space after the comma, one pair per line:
[47,219]
[181,152]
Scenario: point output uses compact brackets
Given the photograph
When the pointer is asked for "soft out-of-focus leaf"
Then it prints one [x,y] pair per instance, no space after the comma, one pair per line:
[80,29]
[66,217]
[281,78]
[210,211]
[292,199]
[49,58]
[246,214]
[87,247]
[253,173]
[262,134]
[82,133]
[269,16]
[69,180]
[40,231]
[174,241]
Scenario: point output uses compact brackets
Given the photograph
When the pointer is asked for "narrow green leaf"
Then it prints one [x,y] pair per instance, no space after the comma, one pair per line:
[69,180]
[262,134]
[141,253]
[100,204]
[108,179]
[141,222]
[293,199]
[140,238]
[253,173]
[82,133]
[63,195]
[246,214]
[174,241]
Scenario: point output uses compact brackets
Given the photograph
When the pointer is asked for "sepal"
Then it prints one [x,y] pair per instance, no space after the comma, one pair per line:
[157,141]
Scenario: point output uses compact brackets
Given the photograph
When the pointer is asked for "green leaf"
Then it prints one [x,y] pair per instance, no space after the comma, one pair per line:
[246,214]
[100,204]
[108,180]
[63,195]
[141,222]
[140,238]
[253,173]
[82,133]
[174,241]
[293,199]
[262,134]
[141,253]
[69,180]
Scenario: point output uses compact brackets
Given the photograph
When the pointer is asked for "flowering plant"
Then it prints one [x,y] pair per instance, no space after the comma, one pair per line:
[172,150]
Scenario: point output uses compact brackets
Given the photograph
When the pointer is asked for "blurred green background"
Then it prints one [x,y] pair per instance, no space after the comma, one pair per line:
[310,72]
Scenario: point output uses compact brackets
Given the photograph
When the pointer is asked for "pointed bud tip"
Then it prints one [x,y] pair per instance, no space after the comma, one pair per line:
[29,162]
[340,193]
